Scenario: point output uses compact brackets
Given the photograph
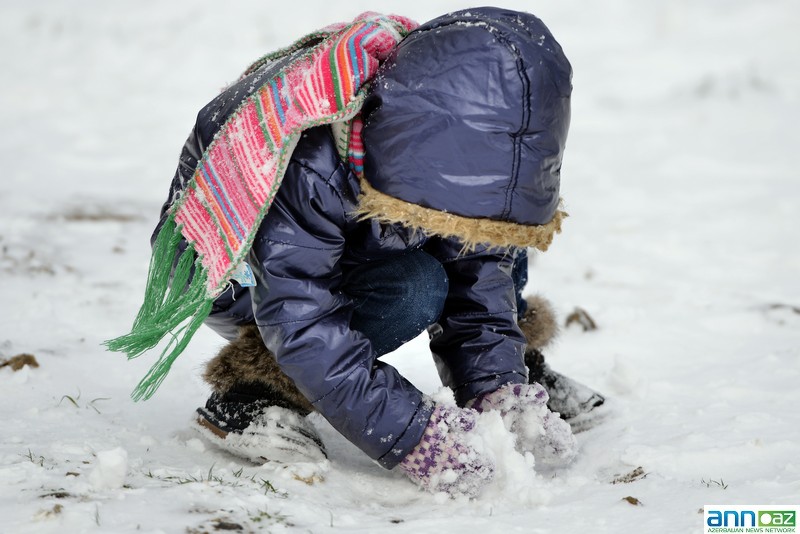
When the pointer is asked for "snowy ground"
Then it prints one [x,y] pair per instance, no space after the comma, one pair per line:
[682,179]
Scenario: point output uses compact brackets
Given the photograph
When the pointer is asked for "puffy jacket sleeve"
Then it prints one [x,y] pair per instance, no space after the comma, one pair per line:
[305,320]
[477,344]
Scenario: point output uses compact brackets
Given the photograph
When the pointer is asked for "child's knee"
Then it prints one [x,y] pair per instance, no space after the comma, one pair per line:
[429,285]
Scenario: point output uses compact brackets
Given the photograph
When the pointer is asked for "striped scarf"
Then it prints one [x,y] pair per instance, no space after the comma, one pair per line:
[240,172]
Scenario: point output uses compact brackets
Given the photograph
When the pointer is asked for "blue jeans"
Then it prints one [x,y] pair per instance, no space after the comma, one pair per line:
[397,299]
[394,300]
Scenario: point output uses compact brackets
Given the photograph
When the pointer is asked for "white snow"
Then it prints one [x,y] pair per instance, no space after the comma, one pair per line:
[110,469]
[681,179]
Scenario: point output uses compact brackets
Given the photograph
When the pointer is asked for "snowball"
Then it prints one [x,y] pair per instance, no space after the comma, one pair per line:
[109,473]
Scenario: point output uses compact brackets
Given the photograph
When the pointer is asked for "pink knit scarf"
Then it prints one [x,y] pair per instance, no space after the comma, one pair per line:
[240,172]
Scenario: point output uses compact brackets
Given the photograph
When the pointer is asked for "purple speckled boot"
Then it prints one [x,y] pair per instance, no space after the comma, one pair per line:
[445,460]
[539,431]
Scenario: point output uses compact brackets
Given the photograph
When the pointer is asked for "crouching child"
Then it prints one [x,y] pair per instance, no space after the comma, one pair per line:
[373,181]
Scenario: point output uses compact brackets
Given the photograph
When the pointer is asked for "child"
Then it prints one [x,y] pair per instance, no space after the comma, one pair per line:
[418,220]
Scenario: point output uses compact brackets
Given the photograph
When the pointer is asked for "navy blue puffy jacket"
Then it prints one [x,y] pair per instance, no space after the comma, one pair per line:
[484,142]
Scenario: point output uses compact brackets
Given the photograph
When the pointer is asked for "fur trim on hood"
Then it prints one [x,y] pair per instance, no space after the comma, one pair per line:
[471,231]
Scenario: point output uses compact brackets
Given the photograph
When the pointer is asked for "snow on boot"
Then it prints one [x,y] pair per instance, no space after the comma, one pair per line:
[525,414]
[256,411]
[446,458]
[578,404]
[259,430]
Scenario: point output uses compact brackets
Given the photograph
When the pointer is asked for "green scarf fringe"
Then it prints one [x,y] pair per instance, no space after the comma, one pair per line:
[175,304]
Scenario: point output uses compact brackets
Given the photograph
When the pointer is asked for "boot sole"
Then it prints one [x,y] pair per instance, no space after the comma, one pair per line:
[278,442]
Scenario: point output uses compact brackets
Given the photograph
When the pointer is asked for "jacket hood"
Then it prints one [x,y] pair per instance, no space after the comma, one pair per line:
[465,127]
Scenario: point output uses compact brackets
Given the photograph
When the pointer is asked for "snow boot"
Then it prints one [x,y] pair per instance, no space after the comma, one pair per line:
[576,403]
[255,410]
